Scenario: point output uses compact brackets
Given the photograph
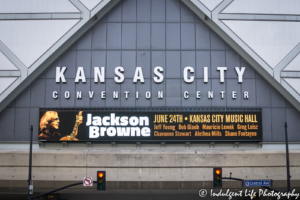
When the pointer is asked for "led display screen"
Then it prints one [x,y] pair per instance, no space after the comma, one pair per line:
[149,126]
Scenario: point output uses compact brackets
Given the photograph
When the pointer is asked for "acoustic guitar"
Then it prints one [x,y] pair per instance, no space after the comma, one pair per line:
[72,136]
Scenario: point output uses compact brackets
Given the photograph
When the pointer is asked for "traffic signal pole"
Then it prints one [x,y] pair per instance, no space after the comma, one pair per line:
[58,189]
[30,187]
[287,159]
[101,178]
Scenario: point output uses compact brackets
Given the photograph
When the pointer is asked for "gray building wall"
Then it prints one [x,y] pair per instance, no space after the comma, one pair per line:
[150,33]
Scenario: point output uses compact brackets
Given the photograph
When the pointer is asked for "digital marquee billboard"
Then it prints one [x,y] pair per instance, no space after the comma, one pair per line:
[149,126]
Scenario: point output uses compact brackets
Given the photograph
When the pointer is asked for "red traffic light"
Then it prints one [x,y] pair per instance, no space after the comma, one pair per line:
[217,177]
[100,174]
[101,180]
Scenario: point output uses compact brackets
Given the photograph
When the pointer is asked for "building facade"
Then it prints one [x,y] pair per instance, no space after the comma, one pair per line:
[154,92]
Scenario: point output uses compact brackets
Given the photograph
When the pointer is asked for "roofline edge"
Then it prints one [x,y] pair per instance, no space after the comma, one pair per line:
[53,57]
[235,46]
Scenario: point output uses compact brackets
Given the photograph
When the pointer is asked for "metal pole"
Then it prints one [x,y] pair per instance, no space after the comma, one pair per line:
[58,189]
[30,164]
[287,159]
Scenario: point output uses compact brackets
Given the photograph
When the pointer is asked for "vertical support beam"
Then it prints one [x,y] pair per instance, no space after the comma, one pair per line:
[236,145]
[65,145]
[259,145]
[187,145]
[138,145]
[89,145]
[113,145]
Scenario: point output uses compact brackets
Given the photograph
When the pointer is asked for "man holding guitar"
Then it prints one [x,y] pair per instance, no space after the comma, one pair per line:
[49,125]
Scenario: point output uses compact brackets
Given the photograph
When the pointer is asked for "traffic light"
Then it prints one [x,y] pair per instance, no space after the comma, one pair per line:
[101,176]
[217,177]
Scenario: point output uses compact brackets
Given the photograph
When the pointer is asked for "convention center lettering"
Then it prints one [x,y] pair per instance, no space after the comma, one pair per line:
[149,126]
[188,75]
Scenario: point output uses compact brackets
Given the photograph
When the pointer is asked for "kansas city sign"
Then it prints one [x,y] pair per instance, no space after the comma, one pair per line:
[188,75]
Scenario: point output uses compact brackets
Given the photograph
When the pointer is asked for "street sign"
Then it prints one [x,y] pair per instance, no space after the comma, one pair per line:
[257,183]
[87,181]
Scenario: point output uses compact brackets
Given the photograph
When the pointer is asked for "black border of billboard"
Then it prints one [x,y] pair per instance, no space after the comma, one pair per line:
[157,109]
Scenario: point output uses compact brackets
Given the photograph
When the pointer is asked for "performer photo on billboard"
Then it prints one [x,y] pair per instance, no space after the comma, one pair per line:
[49,127]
